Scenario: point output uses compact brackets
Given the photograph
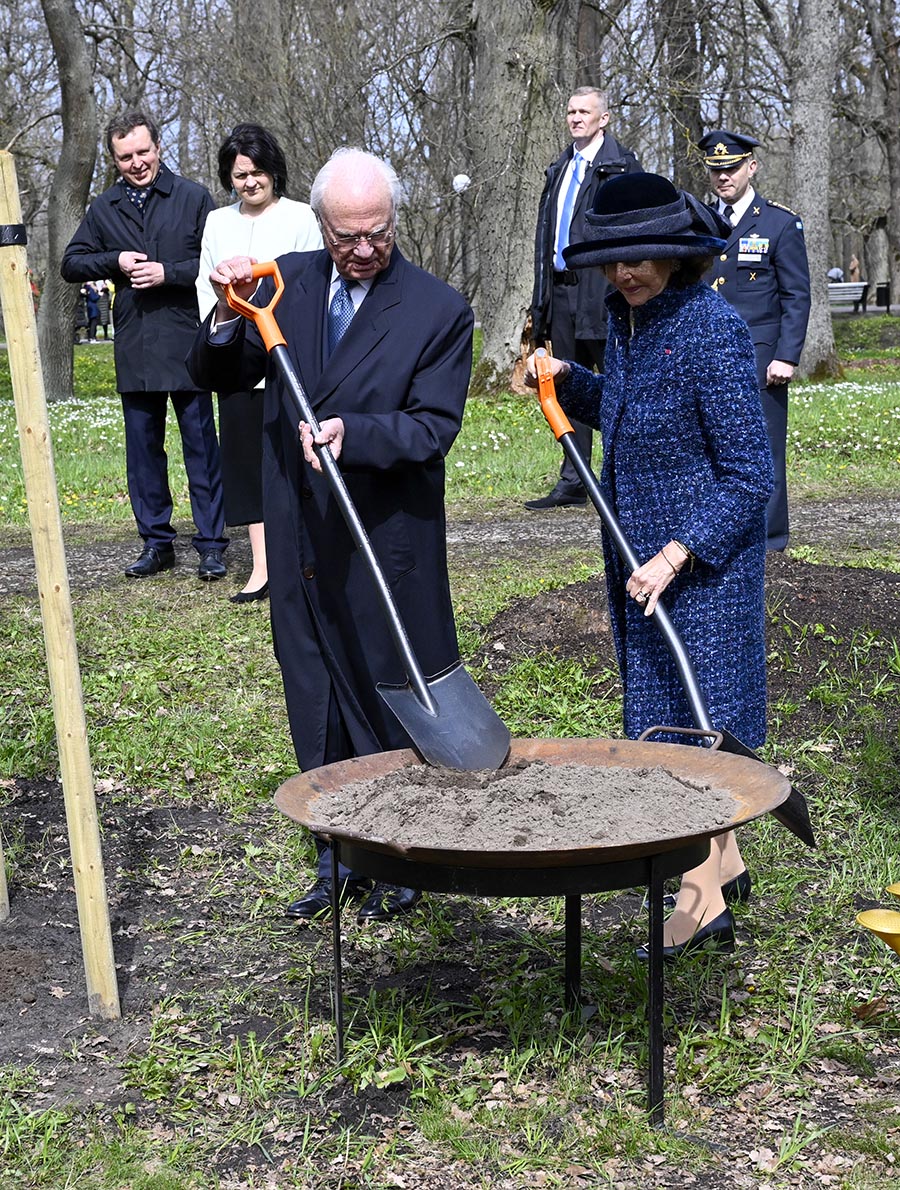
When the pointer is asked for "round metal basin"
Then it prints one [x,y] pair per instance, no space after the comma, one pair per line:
[756,788]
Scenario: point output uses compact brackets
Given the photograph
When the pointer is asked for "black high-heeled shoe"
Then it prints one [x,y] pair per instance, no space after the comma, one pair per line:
[716,937]
[250,596]
[738,889]
[734,892]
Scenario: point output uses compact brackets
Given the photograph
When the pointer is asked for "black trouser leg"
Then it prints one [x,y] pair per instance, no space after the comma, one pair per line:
[589,353]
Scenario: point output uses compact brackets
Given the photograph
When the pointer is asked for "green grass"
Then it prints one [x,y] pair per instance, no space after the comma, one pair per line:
[869,336]
[184,706]
[844,437]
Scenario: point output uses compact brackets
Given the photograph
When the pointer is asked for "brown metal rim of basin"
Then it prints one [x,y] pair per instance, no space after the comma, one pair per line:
[756,788]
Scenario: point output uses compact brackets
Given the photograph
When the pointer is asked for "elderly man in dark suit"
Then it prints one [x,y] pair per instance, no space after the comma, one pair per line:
[383,350]
[144,233]
[764,273]
[567,308]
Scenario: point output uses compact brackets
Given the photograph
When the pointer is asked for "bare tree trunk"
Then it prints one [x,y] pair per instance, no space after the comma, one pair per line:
[524,61]
[882,20]
[813,69]
[68,192]
[678,30]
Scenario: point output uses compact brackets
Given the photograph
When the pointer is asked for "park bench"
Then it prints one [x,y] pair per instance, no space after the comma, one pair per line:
[841,293]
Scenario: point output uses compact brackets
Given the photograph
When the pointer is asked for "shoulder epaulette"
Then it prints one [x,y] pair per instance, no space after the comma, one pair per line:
[770,202]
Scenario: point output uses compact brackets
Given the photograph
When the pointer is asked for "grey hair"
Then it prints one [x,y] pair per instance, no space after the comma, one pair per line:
[602,96]
[362,161]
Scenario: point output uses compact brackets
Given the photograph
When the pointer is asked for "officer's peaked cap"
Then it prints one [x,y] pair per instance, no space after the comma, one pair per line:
[722,149]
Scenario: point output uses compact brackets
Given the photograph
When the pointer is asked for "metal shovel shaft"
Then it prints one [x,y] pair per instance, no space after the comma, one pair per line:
[358,532]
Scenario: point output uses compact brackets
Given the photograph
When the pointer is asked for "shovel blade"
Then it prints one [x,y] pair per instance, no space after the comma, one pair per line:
[464,733]
[792,813]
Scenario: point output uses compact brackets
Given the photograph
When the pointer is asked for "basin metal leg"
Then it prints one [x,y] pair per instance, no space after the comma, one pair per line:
[336,950]
[655,998]
[573,951]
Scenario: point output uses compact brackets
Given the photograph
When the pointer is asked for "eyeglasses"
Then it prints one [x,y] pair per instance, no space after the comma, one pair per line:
[375,239]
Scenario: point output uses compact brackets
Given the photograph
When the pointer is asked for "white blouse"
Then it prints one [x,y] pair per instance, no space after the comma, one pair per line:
[285,226]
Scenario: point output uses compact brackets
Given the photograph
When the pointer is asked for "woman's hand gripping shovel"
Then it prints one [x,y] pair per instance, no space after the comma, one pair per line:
[793,812]
[446,716]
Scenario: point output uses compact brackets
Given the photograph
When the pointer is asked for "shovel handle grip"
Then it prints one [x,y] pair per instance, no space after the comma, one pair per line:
[262,316]
[556,419]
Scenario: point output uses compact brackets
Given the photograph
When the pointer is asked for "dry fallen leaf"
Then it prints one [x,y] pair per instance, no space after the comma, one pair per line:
[871,1010]
[763,1158]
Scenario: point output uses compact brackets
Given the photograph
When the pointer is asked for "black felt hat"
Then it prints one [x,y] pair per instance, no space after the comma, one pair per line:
[722,149]
[643,217]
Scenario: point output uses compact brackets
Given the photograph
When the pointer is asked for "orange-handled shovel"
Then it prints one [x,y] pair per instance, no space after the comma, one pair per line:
[446,716]
[792,813]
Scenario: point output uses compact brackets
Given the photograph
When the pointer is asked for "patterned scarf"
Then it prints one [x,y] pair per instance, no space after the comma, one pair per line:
[139,194]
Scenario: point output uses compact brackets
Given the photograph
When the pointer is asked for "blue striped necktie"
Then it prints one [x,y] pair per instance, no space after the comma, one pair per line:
[565,222]
[340,314]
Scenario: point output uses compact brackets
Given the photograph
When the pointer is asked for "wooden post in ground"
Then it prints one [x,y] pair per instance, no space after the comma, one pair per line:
[4,891]
[56,603]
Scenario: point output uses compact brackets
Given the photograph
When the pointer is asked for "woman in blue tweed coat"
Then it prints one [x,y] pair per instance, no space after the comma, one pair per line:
[688,470]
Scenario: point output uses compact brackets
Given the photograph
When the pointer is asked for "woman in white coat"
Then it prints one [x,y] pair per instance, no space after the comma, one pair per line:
[263,225]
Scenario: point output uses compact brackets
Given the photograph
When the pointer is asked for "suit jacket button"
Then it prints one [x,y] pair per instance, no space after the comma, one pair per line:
[724,256]
[721,280]
[309,572]
[305,492]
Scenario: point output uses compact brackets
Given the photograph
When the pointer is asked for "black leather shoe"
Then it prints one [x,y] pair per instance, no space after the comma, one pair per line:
[387,901]
[211,566]
[317,902]
[560,497]
[716,937]
[151,561]
[739,889]
[250,596]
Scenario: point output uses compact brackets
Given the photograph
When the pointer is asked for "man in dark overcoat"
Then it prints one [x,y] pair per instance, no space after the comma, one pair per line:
[567,307]
[389,395]
[763,272]
[144,234]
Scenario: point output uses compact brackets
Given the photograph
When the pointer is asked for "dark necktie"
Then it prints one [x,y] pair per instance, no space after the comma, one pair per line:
[340,314]
[728,212]
[565,222]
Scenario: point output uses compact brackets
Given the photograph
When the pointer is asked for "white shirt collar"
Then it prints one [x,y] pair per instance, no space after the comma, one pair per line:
[587,154]
[357,293]
[740,207]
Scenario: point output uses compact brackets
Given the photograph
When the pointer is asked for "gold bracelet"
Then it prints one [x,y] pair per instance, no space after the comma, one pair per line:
[689,554]
[663,552]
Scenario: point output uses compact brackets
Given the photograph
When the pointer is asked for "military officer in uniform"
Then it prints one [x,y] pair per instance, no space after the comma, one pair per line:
[764,273]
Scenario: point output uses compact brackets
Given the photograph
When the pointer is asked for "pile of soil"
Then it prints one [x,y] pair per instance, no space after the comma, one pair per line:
[527,806]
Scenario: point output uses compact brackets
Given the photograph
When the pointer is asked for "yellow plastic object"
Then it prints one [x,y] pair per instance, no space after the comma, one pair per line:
[894,888]
[883,922]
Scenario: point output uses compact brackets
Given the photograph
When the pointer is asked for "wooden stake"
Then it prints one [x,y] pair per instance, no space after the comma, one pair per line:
[56,606]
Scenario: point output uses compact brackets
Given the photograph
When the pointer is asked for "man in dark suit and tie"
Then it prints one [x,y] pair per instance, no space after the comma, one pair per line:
[384,351]
[764,273]
[567,309]
[144,233]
